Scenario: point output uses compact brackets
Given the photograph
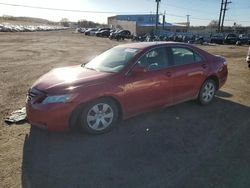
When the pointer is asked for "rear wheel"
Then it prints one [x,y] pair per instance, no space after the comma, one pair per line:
[207,92]
[99,116]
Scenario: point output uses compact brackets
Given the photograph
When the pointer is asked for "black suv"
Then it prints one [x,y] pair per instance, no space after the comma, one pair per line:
[103,33]
[244,39]
[230,39]
[217,39]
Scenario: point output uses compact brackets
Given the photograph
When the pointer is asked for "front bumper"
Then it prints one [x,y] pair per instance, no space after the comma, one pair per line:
[52,117]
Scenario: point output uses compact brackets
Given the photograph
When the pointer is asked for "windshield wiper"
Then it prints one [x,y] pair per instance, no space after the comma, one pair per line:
[90,68]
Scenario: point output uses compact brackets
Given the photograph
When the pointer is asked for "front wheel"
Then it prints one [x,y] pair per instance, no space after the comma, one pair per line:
[99,116]
[207,92]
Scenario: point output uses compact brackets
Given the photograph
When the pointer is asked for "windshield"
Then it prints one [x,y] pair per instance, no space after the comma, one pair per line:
[113,60]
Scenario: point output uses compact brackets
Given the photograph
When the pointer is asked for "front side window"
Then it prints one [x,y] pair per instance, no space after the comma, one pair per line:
[182,56]
[154,60]
[113,60]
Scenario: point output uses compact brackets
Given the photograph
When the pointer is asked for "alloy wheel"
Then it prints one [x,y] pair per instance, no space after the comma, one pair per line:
[208,92]
[100,116]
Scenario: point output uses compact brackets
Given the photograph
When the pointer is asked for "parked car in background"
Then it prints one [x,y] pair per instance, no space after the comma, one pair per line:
[103,33]
[197,39]
[104,28]
[122,82]
[28,28]
[81,30]
[248,58]
[113,33]
[91,31]
[217,39]
[121,35]
[230,39]
[244,39]
[139,38]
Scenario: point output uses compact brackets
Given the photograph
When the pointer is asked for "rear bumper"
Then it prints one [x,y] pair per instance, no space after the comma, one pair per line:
[223,77]
[52,117]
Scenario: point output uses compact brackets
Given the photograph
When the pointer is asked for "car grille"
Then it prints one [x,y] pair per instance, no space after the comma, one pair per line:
[31,95]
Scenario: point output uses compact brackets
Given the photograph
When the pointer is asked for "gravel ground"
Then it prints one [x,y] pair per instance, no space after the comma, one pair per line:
[185,145]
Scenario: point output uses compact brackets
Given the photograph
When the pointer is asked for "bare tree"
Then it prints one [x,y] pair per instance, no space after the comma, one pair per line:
[85,23]
[65,22]
[237,25]
[213,24]
[89,24]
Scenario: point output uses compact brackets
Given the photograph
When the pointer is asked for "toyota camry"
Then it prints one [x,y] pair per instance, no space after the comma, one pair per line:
[122,82]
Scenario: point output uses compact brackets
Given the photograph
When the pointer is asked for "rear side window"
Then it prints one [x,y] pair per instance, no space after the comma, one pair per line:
[197,57]
[182,56]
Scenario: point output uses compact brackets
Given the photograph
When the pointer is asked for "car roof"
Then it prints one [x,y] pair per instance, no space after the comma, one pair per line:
[143,45]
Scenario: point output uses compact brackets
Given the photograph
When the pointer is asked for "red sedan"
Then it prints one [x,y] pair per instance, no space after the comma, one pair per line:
[122,82]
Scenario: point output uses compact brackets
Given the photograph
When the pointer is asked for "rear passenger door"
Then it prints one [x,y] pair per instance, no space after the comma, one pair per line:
[190,72]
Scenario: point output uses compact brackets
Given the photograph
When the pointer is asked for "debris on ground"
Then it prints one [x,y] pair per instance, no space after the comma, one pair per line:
[17,116]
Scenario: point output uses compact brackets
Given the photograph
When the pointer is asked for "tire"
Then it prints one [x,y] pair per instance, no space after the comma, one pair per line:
[207,92]
[99,116]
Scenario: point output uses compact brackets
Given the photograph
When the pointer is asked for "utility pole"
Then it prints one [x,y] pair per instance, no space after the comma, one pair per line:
[157,14]
[224,13]
[221,8]
[188,22]
[163,20]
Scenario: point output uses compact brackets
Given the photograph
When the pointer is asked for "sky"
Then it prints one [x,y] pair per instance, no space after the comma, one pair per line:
[201,11]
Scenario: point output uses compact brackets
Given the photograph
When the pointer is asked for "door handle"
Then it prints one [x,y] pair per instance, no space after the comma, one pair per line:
[168,74]
[204,65]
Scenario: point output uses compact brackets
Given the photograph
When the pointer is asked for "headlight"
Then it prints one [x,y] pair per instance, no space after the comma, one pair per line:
[57,99]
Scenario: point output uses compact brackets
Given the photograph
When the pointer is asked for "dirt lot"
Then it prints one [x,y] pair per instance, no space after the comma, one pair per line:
[182,146]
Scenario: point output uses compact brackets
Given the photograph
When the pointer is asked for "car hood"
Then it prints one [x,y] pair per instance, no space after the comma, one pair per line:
[68,78]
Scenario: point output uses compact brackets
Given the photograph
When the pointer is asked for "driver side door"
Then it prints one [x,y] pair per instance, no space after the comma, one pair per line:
[152,88]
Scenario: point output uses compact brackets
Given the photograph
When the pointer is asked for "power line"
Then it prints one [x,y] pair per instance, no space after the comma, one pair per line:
[196,10]
[69,10]
[184,8]
[194,18]
[85,11]
[241,8]
[175,15]
[106,12]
